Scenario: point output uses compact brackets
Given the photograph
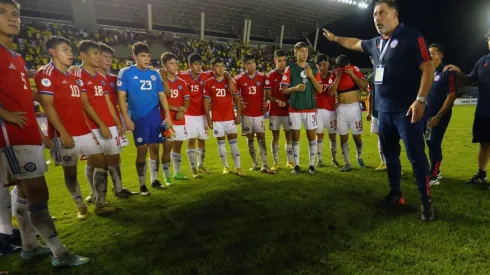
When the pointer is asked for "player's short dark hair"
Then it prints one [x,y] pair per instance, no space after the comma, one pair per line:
[140,47]
[248,57]
[54,41]
[391,3]
[320,58]
[166,57]
[279,53]
[217,61]
[86,45]
[439,47]
[300,45]
[342,61]
[105,48]
[194,57]
[11,2]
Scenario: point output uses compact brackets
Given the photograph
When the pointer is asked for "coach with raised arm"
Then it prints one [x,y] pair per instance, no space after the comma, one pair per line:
[403,76]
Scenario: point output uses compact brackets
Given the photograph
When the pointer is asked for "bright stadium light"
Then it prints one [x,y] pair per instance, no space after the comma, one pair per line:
[363,4]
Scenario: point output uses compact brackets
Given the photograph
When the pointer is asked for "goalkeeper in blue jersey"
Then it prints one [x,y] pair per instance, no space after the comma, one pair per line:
[142,89]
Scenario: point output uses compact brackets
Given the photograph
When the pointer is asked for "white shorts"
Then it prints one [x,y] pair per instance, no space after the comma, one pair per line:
[275,123]
[307,119]
[180,133]
[222,128]
[22,162]
[374,125]
[197,127]
[86,145]
[252,124]
[112,146]
[326,120]
[349,116]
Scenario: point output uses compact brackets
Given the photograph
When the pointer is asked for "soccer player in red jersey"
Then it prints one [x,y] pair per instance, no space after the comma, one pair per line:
[222,117]
[195,118]
[61,98]
[278,110]
[101,113]
[106,56]
[178,103]
[250,84]
[22,157]
[326,103]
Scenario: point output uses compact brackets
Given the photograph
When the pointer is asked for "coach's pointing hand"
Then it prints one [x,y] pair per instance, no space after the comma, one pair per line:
[330,36]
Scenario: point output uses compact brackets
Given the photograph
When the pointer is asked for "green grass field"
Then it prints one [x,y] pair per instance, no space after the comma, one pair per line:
[282,224]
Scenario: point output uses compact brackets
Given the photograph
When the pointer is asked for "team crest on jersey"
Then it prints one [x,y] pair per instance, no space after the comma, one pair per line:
[80,82]
[112,85]
[437,77]
[139,139]
[30,167]
[201,83]
[246,129]
[153,78]
[330,81]
[216,132]
[119,83]
[103,83]
[66,158]
[303,74]
[394,43]
[267,82]
[284,78]
[46,82]
[258,84]
[180,87]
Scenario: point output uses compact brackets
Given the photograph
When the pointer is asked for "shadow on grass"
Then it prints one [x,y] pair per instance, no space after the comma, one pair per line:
[237,226]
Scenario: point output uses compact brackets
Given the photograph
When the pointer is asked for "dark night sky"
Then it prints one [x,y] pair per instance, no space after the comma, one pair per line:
[459,25]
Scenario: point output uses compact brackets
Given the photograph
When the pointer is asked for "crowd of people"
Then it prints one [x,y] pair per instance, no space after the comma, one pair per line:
[30,44]
[89,110]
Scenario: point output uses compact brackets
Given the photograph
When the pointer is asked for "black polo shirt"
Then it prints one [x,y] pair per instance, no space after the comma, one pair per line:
[481,74]
[406,51]
[443,85]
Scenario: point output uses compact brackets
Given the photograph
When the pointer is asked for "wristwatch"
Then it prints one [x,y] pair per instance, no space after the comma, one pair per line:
[421,99]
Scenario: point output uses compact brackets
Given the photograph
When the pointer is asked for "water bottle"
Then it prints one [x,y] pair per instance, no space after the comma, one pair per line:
[165,132]
[428,133]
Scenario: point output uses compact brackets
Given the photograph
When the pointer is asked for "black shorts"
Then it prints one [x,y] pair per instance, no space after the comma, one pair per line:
[481,129]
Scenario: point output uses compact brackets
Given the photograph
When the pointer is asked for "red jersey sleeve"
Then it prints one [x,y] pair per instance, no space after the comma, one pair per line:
[205,90]
[238,83]
[358,72]
[268,82]
[185,90]
[43,84]
[286,78]
[318,77]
